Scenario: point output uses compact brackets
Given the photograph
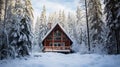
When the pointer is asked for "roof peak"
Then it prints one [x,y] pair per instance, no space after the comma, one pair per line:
[57,23]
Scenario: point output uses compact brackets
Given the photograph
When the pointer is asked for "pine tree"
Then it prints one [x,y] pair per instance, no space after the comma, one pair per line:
[24,42]
[29,10]
[14,18]
[41,27]
[20,33]
[2,9]
[81,30]
[112,9]
[72,29]
[62,18]
[95,24]
[6,50]
[43,16]
[80,24]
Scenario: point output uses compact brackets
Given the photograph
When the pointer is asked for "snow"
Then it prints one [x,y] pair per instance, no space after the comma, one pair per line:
[63,60]
[22,27]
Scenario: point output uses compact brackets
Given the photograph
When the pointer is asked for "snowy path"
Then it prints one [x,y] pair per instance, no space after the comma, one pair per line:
[64,60]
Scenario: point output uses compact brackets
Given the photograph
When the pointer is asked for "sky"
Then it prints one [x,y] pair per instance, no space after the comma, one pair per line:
[54,5]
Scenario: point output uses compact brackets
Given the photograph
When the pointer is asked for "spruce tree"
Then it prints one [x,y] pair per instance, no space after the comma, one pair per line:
[112,10]
[95,24]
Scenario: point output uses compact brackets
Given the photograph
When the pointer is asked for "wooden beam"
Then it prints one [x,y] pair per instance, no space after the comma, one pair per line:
[52,40]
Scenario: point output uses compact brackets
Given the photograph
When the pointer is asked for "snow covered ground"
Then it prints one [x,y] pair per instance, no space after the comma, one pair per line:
[64,60]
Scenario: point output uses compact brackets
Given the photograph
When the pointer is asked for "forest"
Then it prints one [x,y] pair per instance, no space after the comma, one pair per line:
[94,28]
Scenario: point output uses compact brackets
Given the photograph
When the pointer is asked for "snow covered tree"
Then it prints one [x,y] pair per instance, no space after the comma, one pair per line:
[112,10]
[2,10]
[41,27]
[20,37]
[81,24]
[6,49]
[71,28]
[81,29]
[14,15]
[29,10]
[25,35]
[43,16]
[96,25]
[24,42]
[16,40]
[53,18]
[62,18]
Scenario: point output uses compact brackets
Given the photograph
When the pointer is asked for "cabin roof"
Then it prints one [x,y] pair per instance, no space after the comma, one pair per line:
[53,28]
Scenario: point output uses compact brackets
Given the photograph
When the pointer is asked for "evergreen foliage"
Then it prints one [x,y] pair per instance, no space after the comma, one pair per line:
[112,10]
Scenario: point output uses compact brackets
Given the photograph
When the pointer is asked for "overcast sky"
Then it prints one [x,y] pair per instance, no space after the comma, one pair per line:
[54,5]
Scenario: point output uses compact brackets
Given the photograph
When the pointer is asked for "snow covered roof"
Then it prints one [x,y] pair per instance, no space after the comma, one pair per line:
[53,28]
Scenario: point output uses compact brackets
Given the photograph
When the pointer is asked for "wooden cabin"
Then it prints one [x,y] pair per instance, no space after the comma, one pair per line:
[57,40]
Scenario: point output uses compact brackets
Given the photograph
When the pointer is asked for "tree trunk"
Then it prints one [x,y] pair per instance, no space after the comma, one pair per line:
[117,41]
[87,25]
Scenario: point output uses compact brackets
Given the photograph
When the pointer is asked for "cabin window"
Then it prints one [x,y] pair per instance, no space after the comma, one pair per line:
[64,37]
[57,35]
[57,44]
[62,44]
[49,38]
[50,44]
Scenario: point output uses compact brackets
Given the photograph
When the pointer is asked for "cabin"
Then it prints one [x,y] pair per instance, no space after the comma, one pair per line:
[57,40]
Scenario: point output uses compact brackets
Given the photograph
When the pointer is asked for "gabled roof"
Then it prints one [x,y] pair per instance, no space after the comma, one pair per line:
[53,28]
